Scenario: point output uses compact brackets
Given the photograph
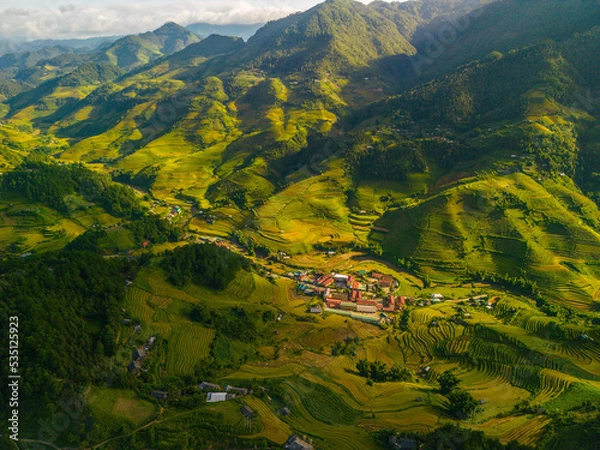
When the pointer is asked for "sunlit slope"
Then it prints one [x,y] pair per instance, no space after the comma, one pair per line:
[506,224]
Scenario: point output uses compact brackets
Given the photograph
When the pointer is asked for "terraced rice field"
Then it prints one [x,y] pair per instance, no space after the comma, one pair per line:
[325,422]
[188,344]
[523,428]
[459,228]
[275,429]
[136,302]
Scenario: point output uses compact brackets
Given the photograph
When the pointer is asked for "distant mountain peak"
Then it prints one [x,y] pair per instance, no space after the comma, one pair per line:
[171,27]
[244,31]
[134,51]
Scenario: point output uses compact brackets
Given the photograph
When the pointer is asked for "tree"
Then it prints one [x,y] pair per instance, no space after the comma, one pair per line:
[462,404]
[399,373]
[363,367]
[448,381]
[378,371]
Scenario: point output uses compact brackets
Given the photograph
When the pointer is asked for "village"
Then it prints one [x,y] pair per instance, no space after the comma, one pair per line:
[365,296]
[370,297]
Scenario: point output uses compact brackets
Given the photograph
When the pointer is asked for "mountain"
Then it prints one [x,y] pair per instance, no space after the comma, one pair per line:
[526,104]
[503,26]
[414,19]
[26,70]
[336,36]
[62,91]
[211,46]
[244,31]
[82,45]
[31,58]
[133,51]
[483,92]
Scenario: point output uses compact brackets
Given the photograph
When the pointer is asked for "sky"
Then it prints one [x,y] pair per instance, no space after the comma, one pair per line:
[61,19]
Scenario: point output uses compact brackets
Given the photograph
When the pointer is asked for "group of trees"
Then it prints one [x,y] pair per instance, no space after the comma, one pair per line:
[455,437]
[148,227]
[379,372]
[519,283]
[452,436]
[448,154]
[239,332]
[556,151]
[250,244]
[379,162]
[461,404]
[90,240]
[153,228]
[144,179]
[346,347]
[68,306]
[51,184]
[235,323]
[203,264]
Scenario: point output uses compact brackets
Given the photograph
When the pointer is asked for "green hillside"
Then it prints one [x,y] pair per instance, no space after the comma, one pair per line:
[338,35]
[507,25]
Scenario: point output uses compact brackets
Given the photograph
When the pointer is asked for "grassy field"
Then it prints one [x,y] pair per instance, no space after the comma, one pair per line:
[115,406]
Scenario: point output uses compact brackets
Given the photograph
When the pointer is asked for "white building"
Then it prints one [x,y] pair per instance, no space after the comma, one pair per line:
[214,397]
[437,298]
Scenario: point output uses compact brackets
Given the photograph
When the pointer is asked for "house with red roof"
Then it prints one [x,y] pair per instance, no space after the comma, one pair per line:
[355,296]
[367,303]
[332,303]
[386,281]
[400,303]
[325,280]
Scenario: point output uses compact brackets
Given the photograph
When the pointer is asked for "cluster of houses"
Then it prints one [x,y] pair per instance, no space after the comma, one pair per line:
[216,393]
[209,218]
[139,355]
[360,292]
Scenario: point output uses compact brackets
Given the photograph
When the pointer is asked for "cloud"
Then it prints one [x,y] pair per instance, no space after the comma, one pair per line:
[15,12]
[67,8]
[58,19]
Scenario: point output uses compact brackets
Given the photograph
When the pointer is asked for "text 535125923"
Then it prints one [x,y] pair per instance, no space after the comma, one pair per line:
[13,382]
